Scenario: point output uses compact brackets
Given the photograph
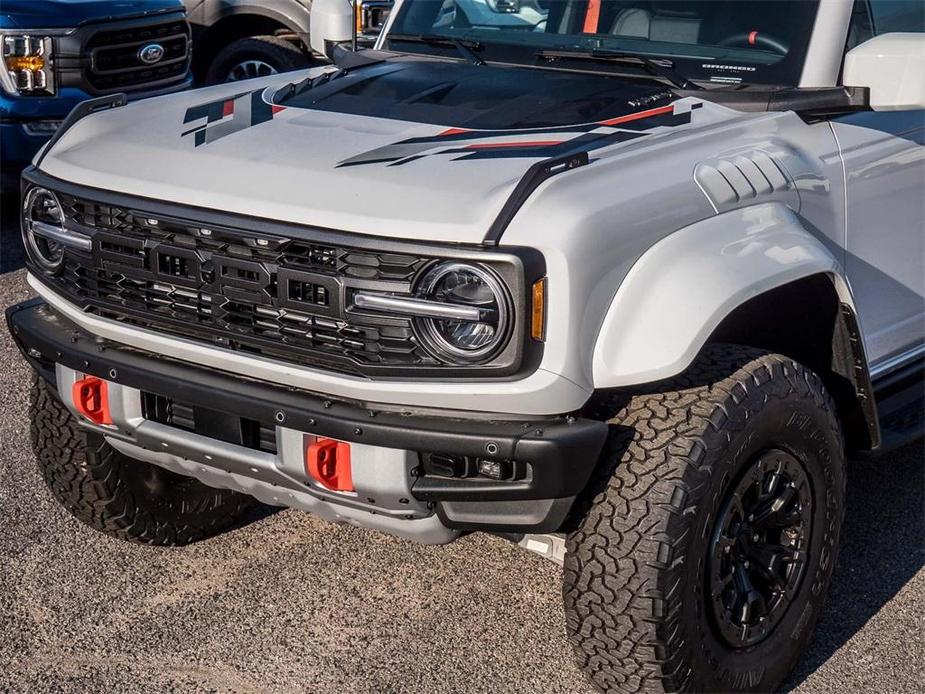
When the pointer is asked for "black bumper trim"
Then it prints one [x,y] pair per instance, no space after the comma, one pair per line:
[561,451]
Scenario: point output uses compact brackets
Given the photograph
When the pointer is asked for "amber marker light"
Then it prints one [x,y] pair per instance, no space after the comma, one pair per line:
[358,16]
[538,312]
[25,62]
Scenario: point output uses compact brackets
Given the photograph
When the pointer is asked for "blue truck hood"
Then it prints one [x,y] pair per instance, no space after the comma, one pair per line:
[55,14]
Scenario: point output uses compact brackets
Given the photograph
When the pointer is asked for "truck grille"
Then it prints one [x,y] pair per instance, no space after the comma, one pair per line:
[115,55]
[280,297]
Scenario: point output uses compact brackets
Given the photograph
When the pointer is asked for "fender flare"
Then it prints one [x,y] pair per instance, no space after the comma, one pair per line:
[680,290]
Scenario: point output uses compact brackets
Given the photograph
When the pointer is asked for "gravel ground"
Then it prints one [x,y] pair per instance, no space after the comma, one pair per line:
[287,602]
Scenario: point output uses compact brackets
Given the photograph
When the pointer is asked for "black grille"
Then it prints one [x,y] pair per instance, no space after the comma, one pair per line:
[276,296]
[115,55]
[348,262]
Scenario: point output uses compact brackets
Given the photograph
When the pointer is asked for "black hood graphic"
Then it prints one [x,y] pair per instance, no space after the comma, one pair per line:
[473,97]
[485,107]
[531,143]
[222,117]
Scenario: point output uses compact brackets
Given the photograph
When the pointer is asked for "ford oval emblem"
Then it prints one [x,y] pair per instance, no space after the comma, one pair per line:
[151,53]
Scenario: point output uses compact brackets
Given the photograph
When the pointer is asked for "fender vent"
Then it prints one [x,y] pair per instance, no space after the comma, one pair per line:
[735,179]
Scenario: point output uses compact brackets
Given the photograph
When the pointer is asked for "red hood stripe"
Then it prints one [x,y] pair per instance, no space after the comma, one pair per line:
[660,111]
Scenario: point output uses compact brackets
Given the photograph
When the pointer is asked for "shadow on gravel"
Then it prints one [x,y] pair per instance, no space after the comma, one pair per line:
[881,548]
[12,254]
[256,512]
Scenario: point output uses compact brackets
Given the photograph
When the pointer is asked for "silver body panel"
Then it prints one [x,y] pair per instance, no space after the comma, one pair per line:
[884,161]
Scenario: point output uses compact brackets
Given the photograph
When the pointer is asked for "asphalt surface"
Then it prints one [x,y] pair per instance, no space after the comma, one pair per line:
[11,251]
[287,602]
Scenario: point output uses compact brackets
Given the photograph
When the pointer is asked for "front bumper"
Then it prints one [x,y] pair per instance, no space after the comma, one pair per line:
[557,454]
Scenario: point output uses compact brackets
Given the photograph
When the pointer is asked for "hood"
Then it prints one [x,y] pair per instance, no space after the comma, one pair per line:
[55,14]
[406,148]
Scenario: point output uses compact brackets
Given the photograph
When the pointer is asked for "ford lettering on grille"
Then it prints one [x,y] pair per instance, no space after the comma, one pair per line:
[221,276]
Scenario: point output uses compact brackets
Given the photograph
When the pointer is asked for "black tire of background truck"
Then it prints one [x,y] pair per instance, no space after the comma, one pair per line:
[278,53]
[637,598]
[117,495]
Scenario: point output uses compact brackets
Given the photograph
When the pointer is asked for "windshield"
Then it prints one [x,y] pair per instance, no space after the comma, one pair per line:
[710,41]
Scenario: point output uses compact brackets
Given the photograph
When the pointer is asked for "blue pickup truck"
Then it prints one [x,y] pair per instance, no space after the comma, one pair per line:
[56,53]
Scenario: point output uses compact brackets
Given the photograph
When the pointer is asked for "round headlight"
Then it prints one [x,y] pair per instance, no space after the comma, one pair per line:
[466,339]
[41,210]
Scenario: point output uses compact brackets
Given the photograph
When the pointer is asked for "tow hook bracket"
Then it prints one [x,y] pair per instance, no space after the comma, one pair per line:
[91,398]
[327,461]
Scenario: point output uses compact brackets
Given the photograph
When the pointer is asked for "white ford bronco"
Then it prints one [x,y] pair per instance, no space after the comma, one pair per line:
[621,280]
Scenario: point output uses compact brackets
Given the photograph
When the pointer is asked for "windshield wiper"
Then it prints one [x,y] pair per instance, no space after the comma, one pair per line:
[662,68]
[466,47]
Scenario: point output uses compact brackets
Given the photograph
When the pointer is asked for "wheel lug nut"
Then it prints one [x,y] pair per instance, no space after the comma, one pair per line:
[745,563]
[755,537]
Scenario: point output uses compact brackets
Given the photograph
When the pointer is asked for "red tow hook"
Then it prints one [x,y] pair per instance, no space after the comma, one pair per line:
[327,461]
[91,398]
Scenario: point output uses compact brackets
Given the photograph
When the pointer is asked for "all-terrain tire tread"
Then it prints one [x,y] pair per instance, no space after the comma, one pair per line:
[628,550]
[93,482]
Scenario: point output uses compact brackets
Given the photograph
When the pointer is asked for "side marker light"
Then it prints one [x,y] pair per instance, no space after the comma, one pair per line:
[538,311]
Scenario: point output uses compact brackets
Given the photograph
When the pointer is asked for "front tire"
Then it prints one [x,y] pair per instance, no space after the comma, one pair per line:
[704,554]
[118,495]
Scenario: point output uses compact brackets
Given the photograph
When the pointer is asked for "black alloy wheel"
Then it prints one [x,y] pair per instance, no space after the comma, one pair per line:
[758,552]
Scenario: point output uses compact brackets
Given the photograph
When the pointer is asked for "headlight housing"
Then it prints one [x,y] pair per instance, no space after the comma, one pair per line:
[470,338]
[371,16]
[44,232]
[41,212]
[28,68]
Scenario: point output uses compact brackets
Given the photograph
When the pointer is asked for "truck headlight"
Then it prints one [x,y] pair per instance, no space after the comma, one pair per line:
[27,65]
[371,16]
[484,307]
[43,228]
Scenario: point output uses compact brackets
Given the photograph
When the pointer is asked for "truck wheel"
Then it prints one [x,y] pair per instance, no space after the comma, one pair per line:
[701,559]
[116,494]
[255,56]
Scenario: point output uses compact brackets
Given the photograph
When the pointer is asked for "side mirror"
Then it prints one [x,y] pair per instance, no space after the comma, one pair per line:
[331,23]
[893,67]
